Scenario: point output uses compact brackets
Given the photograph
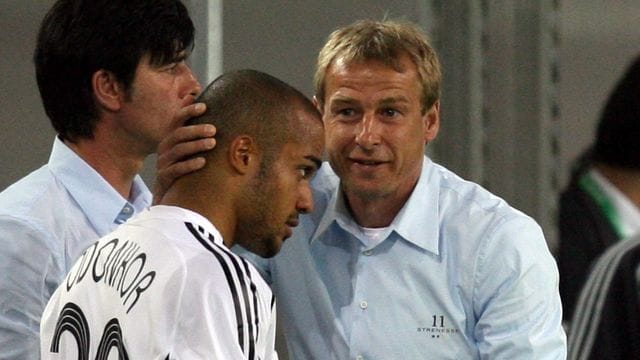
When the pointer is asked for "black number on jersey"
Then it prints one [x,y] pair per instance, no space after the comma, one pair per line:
[72,319]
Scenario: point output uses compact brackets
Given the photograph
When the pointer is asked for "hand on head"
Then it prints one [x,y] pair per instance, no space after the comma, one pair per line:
[180,144]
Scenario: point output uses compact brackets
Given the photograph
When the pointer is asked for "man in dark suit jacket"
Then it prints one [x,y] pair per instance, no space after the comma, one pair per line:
[601,204]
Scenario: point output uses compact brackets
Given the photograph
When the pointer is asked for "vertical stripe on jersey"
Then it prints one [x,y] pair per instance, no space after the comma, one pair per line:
[217,250]
[247,305]
[254,291]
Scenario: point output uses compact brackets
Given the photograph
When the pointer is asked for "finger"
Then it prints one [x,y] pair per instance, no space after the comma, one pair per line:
[184,149]
[190,132]
[188,112]
[184,134]
[185,167]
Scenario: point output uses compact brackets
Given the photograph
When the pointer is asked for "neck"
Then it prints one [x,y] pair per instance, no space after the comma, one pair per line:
[626,180]
[375,212]
[217,206]
[112,162]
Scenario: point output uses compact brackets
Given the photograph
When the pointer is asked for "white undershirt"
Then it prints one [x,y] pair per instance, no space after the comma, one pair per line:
[372,236]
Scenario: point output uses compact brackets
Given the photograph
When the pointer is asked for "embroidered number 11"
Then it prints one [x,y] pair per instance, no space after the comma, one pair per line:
[435,320]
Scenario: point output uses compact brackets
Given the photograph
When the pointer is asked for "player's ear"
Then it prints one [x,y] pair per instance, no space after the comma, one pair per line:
[243,154]
[431,122]
[107,90]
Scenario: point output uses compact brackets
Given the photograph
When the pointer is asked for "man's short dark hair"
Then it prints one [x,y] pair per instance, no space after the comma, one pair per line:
[253,103]
[79,37]
[619,128]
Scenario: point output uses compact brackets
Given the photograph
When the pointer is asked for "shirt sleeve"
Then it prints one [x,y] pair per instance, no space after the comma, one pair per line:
[516,299]
[30,274]
[270,351]
[584,235]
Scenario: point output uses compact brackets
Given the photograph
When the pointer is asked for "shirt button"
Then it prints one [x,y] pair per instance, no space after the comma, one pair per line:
[367,252]
[363,305]
[359,357]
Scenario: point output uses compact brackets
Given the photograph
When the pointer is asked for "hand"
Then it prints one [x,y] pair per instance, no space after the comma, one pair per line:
[182,142]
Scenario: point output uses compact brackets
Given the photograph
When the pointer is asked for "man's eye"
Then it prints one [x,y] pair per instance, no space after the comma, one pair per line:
[173,67]
[390,112]
[346,112]
[170,67]
[306,172]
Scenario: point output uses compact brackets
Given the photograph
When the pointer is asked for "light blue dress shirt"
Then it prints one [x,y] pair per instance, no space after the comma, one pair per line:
[460,275]
[47,219]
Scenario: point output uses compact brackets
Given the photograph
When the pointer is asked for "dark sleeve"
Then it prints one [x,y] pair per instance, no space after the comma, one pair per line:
[584,234]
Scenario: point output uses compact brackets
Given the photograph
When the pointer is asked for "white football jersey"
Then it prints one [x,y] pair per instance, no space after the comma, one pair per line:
[162,286]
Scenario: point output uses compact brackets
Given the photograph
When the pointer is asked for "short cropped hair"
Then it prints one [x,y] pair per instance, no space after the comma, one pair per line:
[79,37]
[384,41]
[253,103]
[619,126]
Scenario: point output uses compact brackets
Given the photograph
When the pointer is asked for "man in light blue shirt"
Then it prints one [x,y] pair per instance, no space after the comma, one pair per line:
[401,258]
[47,220]
[111,101]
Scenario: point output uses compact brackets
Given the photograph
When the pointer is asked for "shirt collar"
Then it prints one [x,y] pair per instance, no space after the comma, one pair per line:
[104,207]
[171,213]
[627,213]
[417,222]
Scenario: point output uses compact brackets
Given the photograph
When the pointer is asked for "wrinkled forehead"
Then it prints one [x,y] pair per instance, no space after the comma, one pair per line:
[403,64]
[397,59]
[372,73]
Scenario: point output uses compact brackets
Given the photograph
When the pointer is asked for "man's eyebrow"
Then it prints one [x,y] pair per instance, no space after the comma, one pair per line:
[393,100]
[342,99]
[385,101]
[315,160]
[182,55]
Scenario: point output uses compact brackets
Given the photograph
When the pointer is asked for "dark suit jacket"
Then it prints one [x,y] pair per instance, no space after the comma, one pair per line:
[585,233]
[607,323]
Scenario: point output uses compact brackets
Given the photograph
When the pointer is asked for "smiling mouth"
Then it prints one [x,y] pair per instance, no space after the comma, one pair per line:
[366,162]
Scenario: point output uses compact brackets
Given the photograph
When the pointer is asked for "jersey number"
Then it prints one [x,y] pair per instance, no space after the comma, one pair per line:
[72,319]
